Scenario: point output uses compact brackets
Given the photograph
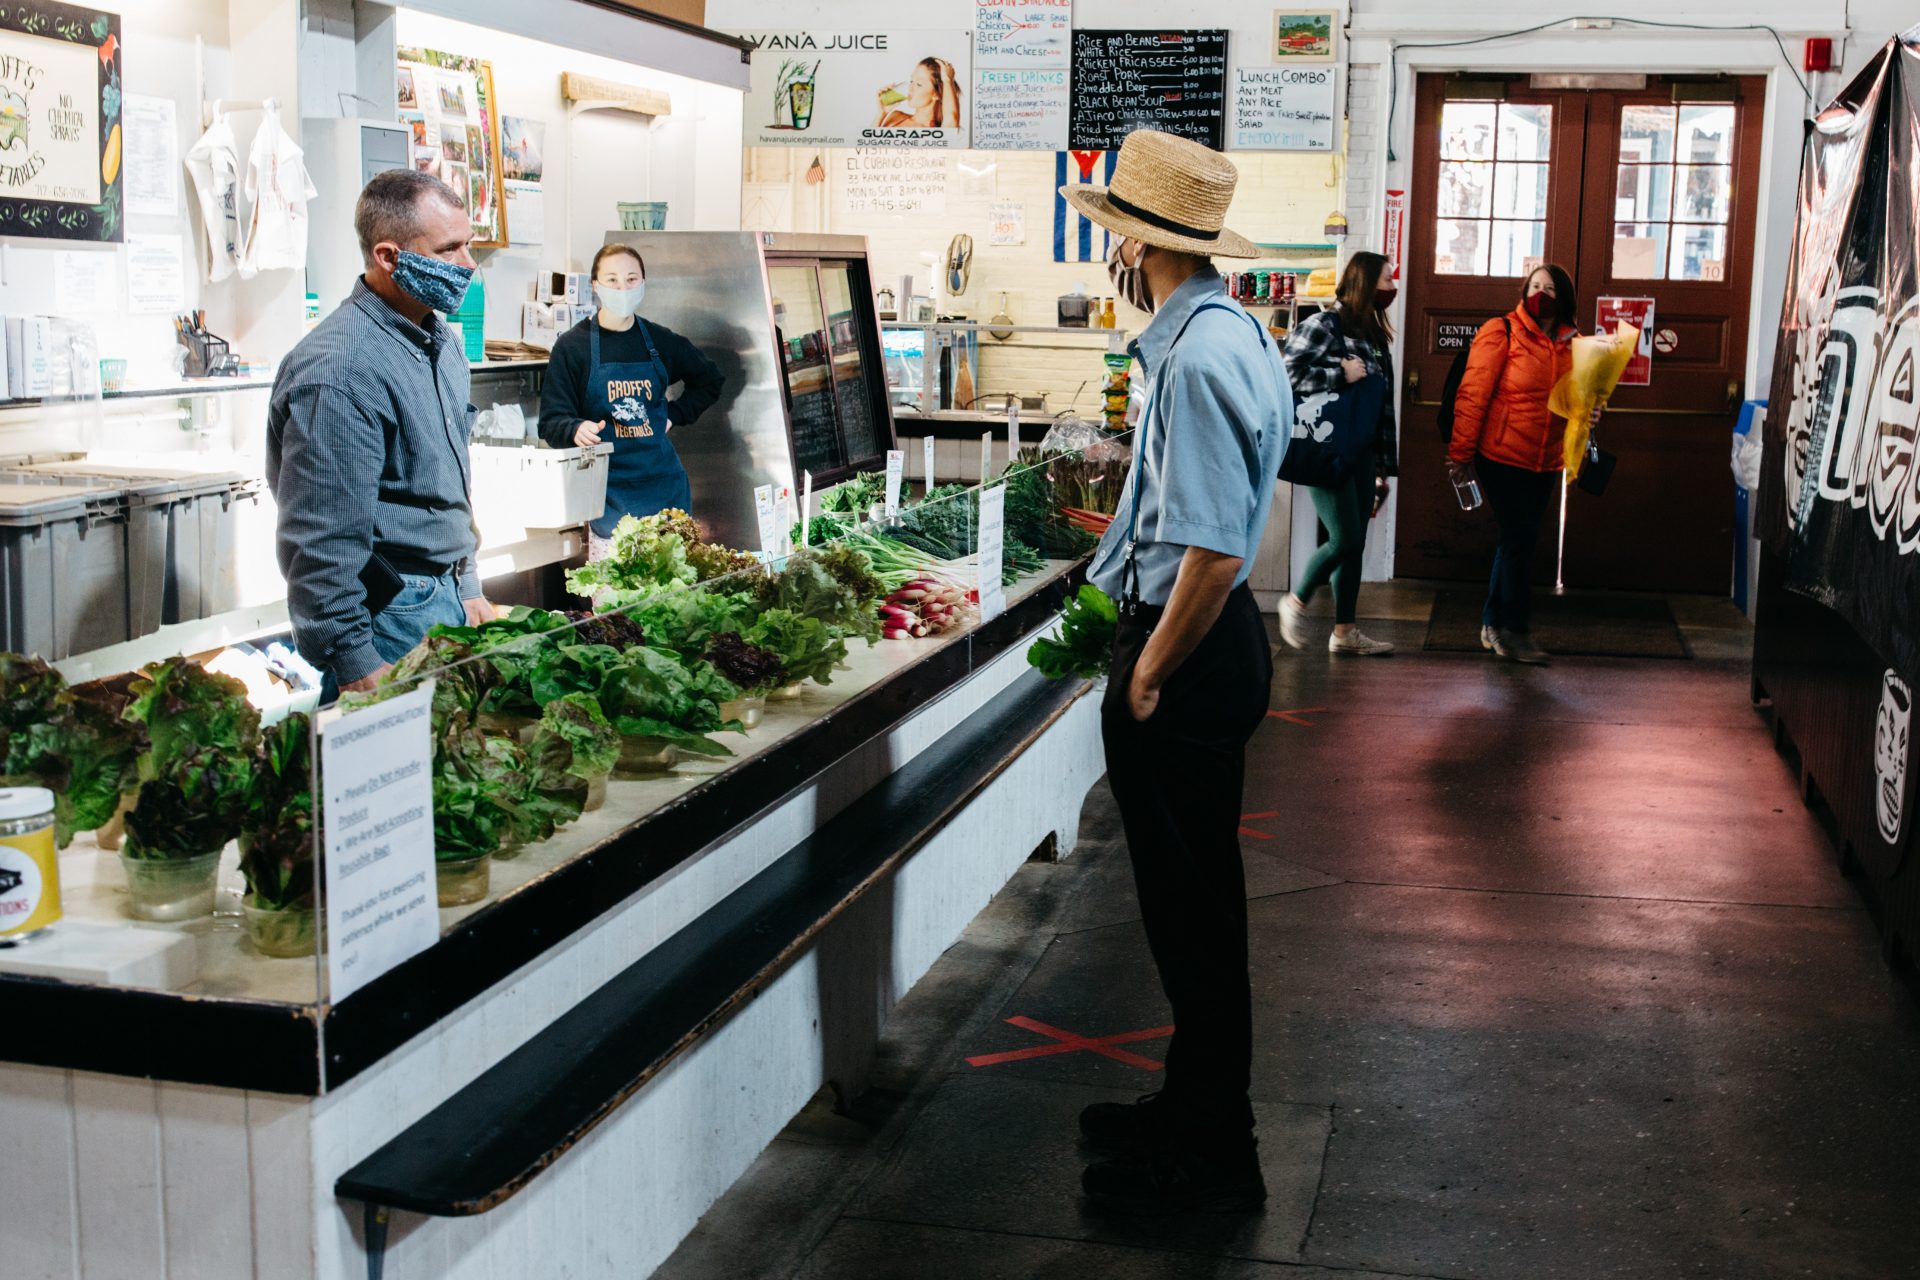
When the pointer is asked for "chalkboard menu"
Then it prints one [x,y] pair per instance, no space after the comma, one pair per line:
[1174,81]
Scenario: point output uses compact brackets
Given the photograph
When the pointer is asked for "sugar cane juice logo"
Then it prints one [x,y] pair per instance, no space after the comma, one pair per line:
[1854,421]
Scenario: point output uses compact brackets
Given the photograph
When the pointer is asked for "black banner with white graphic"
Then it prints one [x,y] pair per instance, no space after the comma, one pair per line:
[1840,490]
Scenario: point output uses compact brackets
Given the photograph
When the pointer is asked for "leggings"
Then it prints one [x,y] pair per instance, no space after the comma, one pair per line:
[1345,511]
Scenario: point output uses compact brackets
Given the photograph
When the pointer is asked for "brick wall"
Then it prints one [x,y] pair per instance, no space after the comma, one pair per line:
[1282,197]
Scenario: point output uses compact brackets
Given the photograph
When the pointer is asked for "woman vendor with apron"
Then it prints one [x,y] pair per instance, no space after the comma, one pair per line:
[608,380]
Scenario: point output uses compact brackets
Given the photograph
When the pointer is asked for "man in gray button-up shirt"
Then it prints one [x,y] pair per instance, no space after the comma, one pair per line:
[367,445]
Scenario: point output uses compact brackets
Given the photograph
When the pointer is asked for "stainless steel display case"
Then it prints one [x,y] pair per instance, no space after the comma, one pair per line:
[790,321]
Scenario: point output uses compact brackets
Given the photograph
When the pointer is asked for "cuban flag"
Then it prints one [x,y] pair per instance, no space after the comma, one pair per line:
[1075,239]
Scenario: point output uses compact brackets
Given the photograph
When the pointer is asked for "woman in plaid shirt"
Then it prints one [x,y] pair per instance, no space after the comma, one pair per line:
[1328,350]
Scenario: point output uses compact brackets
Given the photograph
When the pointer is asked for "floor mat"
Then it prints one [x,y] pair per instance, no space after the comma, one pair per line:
[1591,626]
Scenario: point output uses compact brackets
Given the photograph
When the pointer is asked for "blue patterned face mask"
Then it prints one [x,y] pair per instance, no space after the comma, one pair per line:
[432,282]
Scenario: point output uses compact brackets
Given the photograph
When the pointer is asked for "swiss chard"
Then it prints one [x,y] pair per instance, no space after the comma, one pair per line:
[1085,644]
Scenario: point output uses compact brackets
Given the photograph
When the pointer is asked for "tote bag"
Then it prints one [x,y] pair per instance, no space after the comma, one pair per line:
[1331,430]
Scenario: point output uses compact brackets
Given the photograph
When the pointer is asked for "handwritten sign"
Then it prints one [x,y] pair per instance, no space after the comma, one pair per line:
[1174,81]
[378,826]
[895,180]
[1012,33]
[896,472]
[1007,223]
[1020,109]
[992,542]
[1286,108]
[1022,52]
[926,449]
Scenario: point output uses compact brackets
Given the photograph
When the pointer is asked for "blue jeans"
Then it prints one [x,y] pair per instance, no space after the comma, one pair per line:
[422,604]
[1518,499]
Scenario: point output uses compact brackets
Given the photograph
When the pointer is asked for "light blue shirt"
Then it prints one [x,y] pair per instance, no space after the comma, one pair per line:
[1208,449]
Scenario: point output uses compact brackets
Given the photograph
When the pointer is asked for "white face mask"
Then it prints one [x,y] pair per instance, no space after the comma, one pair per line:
[620,302]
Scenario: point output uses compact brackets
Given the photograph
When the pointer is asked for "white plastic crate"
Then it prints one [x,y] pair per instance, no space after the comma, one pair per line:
[540,488]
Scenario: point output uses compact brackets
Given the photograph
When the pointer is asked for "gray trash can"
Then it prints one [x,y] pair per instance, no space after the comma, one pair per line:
[63,568]
[182,538]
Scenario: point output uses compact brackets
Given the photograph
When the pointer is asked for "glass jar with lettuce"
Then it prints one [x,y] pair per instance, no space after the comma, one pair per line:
[195,779]
[277,843]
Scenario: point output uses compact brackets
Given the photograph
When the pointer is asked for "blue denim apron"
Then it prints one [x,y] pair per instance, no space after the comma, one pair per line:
[644,476]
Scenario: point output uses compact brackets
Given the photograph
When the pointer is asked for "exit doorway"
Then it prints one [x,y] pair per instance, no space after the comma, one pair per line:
[1646,193]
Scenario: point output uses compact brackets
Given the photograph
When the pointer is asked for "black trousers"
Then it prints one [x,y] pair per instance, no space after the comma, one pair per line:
[1520,499]
[1178,777]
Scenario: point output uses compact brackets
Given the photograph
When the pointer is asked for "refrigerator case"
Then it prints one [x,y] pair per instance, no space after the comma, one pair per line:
[790,321]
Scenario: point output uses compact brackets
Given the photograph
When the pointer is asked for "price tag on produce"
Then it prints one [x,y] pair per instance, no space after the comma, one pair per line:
[783,534]
[806,511]
[769,515]
[377,770]
[986,456]
[1013,430]
[926,448]
[993,519]
[896,472]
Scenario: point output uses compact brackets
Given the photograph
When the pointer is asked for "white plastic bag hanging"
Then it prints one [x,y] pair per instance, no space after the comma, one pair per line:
[278,188]
[214,166]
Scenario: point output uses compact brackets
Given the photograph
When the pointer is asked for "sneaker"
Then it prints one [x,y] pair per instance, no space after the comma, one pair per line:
[1489,638]
[1140,1126]
[1358,641]
[1174,1182]
[1519,646]
[1293,621]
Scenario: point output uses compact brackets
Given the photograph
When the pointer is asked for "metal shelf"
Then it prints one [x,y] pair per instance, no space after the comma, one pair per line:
[176,390]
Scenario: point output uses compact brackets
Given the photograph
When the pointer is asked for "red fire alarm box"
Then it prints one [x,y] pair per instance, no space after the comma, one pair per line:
[1819,53]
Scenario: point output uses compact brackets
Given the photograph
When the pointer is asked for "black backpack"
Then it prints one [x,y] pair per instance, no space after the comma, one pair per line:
[1450,389]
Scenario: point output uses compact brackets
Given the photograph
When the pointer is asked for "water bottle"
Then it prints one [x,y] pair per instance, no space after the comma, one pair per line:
[1466,488]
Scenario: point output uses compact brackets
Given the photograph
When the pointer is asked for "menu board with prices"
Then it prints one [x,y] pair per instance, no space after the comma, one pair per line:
[1174,81]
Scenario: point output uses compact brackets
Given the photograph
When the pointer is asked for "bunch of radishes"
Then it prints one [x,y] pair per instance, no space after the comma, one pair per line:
[924,607]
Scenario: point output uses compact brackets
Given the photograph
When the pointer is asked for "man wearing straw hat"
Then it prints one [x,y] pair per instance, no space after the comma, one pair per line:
[1191,665]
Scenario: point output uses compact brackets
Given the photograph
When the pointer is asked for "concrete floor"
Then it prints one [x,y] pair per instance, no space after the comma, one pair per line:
[1553,976]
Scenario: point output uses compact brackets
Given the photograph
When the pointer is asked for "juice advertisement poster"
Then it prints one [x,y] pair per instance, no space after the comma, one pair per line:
[859,89]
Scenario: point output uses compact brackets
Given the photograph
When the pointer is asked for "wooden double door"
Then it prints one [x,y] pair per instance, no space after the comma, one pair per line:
[1642,193]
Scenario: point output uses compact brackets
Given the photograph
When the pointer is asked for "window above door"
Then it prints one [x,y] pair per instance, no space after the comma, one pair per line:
[1495,166]
[1673,191]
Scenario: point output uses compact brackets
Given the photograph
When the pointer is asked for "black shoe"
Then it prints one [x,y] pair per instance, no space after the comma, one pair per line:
[1174,1182]
[1140,1126]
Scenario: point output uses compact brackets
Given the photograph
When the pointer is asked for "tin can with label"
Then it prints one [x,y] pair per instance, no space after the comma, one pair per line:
[29,864]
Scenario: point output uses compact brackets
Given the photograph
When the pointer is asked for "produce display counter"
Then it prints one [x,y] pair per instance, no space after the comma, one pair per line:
[229,1080]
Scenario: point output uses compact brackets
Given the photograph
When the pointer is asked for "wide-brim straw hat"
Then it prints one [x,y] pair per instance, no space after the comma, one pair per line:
[1167,191]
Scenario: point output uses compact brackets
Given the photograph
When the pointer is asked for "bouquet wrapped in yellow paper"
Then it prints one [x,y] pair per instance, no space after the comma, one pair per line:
[1598,362]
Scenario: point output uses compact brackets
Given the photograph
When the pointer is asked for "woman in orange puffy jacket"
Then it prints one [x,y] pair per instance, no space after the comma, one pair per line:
[1504,433]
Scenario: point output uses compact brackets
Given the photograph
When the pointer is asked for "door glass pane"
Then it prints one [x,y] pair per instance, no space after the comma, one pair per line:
[1639,250]
[1526,131]
[1466,131]
[861,435]
[1520,191]
[1516,245]
[1646,133]
[1643,193]
[1460,248]
[1463,189]
[1699,253]
[1706,193]
[1706,133]
[800,327]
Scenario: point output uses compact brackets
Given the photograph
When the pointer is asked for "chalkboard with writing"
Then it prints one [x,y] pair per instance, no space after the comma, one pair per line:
[1175,81]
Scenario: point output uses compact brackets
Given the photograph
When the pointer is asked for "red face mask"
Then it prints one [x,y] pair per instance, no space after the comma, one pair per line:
[1542,307]
[1383,297]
